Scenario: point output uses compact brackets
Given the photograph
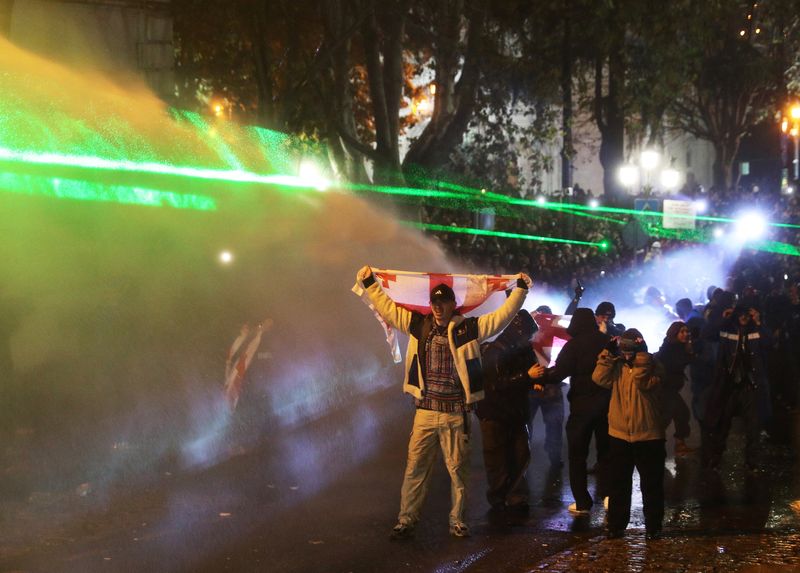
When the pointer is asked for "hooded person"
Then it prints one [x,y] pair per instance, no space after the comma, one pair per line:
[636,434]
[605,313]
[588,405]
[675,355]
[504,412]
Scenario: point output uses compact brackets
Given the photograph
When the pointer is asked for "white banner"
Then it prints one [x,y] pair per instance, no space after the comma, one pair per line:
[678,214]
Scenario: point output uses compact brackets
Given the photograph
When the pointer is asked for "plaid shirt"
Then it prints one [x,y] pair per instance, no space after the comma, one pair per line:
[443,391]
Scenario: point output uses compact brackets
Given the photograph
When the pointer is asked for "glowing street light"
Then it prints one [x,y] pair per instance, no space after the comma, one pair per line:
[649,159]
[628,175]
[791,126]
[594,203]
[226,257]
[670,178]
[751,226]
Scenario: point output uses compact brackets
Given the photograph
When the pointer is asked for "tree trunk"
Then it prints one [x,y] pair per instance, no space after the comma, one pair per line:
[455,102]
[383,49]
[263,65]
[611,122]
[567,151]
[339,103]
[724,158]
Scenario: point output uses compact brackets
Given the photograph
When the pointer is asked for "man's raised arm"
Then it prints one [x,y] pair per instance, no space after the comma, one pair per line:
[493,322]
[396,316]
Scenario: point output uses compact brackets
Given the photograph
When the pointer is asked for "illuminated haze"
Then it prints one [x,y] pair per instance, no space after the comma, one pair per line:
[117,318]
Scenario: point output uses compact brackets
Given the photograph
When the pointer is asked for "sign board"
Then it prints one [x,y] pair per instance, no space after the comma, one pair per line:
[653,205]
[678,214]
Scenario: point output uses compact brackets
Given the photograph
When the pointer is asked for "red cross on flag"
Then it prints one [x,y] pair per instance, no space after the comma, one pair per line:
[551,336]
[411,290]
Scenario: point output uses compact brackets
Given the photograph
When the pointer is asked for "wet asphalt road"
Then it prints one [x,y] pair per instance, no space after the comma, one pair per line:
[324,496]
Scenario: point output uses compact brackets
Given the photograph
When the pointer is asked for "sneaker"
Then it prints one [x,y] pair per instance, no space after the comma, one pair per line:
[459,530]
[573,508]
[401,531]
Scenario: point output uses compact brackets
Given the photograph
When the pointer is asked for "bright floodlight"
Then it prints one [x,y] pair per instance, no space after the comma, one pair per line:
[751,226]
[226,257]
[649,159]
[628,175]
[789,190]
[594,203]
[670,178]
[312,176]
[701,206]
[718,232]
[541,200]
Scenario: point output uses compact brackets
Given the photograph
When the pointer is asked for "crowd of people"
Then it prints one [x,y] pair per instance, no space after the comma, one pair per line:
[560,265]
[738,344]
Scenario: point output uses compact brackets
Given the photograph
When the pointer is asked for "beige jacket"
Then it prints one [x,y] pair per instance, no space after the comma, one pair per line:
[634,413]
[464,334]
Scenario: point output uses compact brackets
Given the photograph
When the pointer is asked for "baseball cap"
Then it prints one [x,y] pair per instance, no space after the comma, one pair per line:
[442,292]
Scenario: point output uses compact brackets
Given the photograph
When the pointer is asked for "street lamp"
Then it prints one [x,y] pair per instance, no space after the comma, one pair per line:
[629,176]
[670,179]
[791,126]
[649,160]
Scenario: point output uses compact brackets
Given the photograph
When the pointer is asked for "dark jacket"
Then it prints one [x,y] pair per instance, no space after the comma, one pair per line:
[751,360]
[579,356]
[675,357]
[737,368]
[506,361]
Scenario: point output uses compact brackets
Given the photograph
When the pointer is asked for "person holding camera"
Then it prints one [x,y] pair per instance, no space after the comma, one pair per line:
[636,434]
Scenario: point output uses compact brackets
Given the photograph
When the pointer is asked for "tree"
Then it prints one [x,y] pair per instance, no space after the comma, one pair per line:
[445,23]
[343,71]
[734,77]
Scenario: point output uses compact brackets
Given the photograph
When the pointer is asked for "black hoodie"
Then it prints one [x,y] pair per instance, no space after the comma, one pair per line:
[506,361]
[579,357]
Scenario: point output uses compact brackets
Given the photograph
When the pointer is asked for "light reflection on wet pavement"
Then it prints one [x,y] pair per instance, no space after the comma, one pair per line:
[257,512]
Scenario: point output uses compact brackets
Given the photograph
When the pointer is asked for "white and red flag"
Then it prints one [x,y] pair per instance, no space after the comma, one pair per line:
[411,290]
[236,365]
[551,336]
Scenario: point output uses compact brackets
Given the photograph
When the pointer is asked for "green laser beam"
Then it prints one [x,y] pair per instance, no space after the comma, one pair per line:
[149,168]
[492,196]
[590,216]
[77,190]
[470,231]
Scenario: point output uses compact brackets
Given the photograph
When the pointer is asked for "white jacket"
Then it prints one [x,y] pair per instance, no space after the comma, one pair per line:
[464,334]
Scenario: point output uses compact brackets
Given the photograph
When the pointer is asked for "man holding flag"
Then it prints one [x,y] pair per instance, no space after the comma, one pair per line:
[443,374]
